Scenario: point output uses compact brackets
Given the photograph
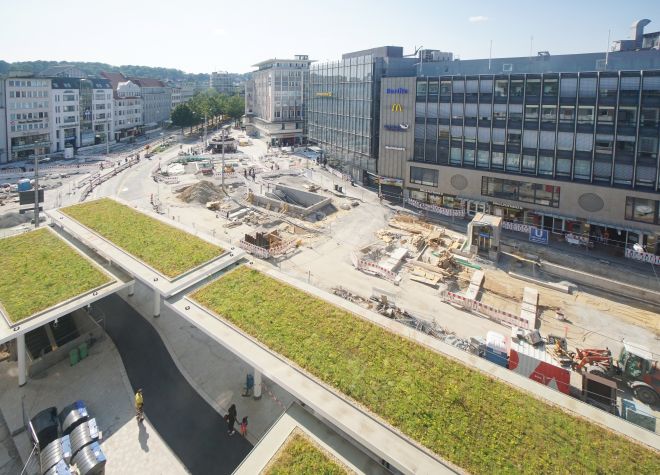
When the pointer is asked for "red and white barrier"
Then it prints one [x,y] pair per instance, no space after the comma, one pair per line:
[436,209]
[489,311]
[373,268]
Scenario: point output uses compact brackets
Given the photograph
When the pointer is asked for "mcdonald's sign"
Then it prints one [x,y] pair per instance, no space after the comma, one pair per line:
[396,107]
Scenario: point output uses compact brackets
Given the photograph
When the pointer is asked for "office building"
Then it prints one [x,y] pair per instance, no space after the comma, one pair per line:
[343,106]
[3,123]
[274,100]
[175,96]
[156,102]
[565,143]
[128,110]
[222,82]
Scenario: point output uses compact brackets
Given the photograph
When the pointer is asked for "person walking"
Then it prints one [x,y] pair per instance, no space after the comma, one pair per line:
[231,419]
[139,406]
[244,423]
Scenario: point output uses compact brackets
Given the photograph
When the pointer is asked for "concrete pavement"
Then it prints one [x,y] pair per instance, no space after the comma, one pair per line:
[191,427]
[100,381]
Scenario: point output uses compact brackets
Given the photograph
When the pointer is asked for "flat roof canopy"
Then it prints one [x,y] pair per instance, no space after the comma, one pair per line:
[150,229]
[59,279]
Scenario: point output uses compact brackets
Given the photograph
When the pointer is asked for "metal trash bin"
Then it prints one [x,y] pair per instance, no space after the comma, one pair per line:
[90,460]
[72,416]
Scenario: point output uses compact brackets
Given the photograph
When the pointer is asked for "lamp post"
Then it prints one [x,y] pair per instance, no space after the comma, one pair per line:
[36,192]
[222,162]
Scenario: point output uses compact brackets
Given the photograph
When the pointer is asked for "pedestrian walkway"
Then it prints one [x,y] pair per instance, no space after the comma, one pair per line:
[190,426]
[10,462]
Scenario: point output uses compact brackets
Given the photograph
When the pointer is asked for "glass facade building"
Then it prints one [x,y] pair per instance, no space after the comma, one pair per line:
[601,128]
[342,105]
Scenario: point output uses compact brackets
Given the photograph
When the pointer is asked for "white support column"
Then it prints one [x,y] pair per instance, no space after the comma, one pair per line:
[156,303]
[131,289]
[257,384]
[22,359]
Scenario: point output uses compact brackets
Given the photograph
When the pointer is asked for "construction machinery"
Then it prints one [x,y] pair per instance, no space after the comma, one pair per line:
[635,367]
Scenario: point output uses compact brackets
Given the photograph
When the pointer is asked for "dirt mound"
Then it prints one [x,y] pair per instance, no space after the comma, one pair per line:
[201,192]
[9,220]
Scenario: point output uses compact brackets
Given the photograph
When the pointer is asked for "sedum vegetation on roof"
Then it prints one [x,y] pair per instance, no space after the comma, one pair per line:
[463,415]
[165,248]
[40,270]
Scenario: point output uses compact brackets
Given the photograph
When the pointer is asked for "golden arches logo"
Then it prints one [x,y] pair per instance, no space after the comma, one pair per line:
[396,107]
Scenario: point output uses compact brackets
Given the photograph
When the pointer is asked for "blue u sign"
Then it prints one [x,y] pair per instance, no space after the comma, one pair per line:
[538,235]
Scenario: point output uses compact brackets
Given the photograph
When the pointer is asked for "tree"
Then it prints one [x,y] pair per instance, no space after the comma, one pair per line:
[183,116]
[234,107]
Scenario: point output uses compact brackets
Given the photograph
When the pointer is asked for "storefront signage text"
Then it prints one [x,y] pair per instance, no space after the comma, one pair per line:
[643,256]
[435,209]
[390,147]
[504,205]
[323,94]
[396,128]
[518,227]
[398,90]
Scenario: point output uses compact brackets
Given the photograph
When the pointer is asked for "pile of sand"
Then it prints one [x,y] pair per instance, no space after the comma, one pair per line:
[11,219]
[201,192]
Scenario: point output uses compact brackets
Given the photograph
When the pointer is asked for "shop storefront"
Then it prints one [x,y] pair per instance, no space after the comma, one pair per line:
[447,205]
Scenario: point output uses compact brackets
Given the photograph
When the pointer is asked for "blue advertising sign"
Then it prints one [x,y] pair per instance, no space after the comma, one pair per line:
[398,90]
[538,235]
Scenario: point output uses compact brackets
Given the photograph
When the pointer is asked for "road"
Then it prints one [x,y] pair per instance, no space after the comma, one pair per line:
[191,427]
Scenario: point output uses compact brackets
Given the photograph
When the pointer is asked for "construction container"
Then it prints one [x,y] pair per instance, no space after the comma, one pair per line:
[83,435]
[45,427]
[62,468]
[496,349]
[535,363]
[72,416]
[90,460]
[24,184]
[56,451]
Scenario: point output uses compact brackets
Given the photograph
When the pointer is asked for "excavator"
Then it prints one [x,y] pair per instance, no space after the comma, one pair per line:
[635,367]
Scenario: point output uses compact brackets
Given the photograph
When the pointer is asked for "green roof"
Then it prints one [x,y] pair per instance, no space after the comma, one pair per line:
[300,456]
[40,270]
[168,250]
[481,424]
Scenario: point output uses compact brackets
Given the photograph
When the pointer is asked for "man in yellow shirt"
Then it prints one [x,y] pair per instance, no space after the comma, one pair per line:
[139,406]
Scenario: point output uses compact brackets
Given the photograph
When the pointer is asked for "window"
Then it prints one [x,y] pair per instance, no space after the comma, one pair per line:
[648,147]
[585,115]
[605,115]
[643,210]
[531,113]
[513,138]
[536,193]
[627,116]
[424,176]
[567,114]
[550,87]
[517,87]
[533,87]
[445,88]
[501,88]
[549,114]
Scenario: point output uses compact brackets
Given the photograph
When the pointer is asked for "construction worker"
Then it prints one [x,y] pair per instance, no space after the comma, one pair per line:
[139,406]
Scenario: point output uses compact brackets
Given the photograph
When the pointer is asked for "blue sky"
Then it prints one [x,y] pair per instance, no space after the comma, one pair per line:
[205,35]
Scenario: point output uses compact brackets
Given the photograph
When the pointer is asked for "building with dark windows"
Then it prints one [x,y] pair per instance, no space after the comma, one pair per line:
[343,106]
[568,143]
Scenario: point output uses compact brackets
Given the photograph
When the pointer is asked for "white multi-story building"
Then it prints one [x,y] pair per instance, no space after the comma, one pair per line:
[187,91]
[175,96]
[156,101]
[128,110]
[274,100]
[222,82]
[3,123]
[27,127]
[81,113]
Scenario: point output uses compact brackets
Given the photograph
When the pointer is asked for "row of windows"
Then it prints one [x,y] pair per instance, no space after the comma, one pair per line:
[28,94]
[424,176]
[28,116]
[512,86]
[526,192]
[579,169]
[626,115]
[28,83]
[27,105]
[24,127]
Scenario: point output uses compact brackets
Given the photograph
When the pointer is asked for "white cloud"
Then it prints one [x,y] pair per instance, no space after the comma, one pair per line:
[478,19]
[219,32]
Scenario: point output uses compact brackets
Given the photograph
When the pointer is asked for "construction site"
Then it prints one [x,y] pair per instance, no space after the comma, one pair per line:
[313,224]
